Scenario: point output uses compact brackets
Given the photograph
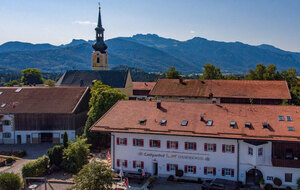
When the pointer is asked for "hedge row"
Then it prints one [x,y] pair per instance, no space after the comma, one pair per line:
[36,168]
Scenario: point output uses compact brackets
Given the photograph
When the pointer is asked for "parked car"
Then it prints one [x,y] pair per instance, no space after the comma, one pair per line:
[218,183]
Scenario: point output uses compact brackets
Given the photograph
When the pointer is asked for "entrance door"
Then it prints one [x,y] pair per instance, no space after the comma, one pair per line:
[28,139]
[19,139]
[46,137]
[155,168]
[253,177]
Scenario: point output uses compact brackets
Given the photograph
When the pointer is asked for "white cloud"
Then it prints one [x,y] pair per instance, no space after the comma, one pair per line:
[85,23]
[192,32]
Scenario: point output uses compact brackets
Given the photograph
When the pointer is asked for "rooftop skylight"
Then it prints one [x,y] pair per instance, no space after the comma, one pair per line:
[281,118]
[291,129]
[232,124]
[184,123]
[3,105]
[289,118]
[163,122]
[248,124]
[1,93]
[18,90]
[209,123]
[142,121]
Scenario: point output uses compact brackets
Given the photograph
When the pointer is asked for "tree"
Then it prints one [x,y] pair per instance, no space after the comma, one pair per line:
[103,97]
[50,83]
[211,72]
[31,76]
[12,83]
[76,155]
[10,181]
[56,155]
[96,175]
[65,139]
[271,73]
[258,73]
[290,76]
[172,73]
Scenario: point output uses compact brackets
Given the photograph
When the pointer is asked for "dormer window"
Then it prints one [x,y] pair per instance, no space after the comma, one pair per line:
[281,118]
[233,124]
[209,123]
[248,125]
[142,121]
[184,123]
[265,125]
[163,122]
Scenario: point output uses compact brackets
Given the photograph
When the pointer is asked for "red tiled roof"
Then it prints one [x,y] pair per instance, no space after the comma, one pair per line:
[143,85]
[125,115]
[222,88]
[40,99]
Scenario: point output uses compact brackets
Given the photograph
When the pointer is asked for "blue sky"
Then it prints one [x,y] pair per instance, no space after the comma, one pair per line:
[275,22]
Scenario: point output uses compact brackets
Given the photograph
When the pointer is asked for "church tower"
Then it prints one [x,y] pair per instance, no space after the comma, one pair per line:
[99,56]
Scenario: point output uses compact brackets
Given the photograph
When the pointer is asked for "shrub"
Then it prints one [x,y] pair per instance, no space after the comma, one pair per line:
[277,181]
[76,155]
[179,173]
[268,187]
[21,153]
[288,188]
[262,181]
[9,160]
[170,178]
[10,181]
[36,168]
[65,140]
[56,155]
[200,181]
[96,175]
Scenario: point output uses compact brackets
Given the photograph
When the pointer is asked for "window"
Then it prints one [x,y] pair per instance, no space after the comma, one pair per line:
[289,118]
[163,122]
[138,142]
[122,163]
[6,122]
[288,177]
[291,129]
[228,148]
[248,125]
[172,167]
[62,136]
[98,60]
[265,125]
[233,124]
[142,121]
[121,141]
[184,123]
[6,135]
[209,171]
[210,147]
[138,164]
[281,118]
[190,146]
[172,144]
[250,151]
[154,143]
[227,172]
[209,123]
[190,169]
[260,151]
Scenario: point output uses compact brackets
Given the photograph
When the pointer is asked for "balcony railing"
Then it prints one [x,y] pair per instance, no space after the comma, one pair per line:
[289,163]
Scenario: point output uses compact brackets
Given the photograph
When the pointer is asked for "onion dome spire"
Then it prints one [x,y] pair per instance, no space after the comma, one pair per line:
[99,45]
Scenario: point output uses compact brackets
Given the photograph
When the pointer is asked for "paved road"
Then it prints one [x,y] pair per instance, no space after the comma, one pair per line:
[162,183]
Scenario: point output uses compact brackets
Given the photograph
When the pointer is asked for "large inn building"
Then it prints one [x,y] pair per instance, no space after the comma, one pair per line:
[241,142]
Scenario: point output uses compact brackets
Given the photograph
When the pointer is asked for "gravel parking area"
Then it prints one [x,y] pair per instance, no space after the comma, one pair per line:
[33,152]
[162,183]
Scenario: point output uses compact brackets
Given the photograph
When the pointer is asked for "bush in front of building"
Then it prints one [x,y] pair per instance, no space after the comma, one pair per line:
[268,186]
[65,139]
[170,178]
[76,155]
[10,181]
[96,175]
[298,183]
[36,168]
[179,173]
[56,155]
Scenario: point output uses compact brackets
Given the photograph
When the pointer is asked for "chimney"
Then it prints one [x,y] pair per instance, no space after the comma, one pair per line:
[158,104]
[202,117]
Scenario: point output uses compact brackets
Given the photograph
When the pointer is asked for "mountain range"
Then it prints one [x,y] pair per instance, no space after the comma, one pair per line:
[149,52]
